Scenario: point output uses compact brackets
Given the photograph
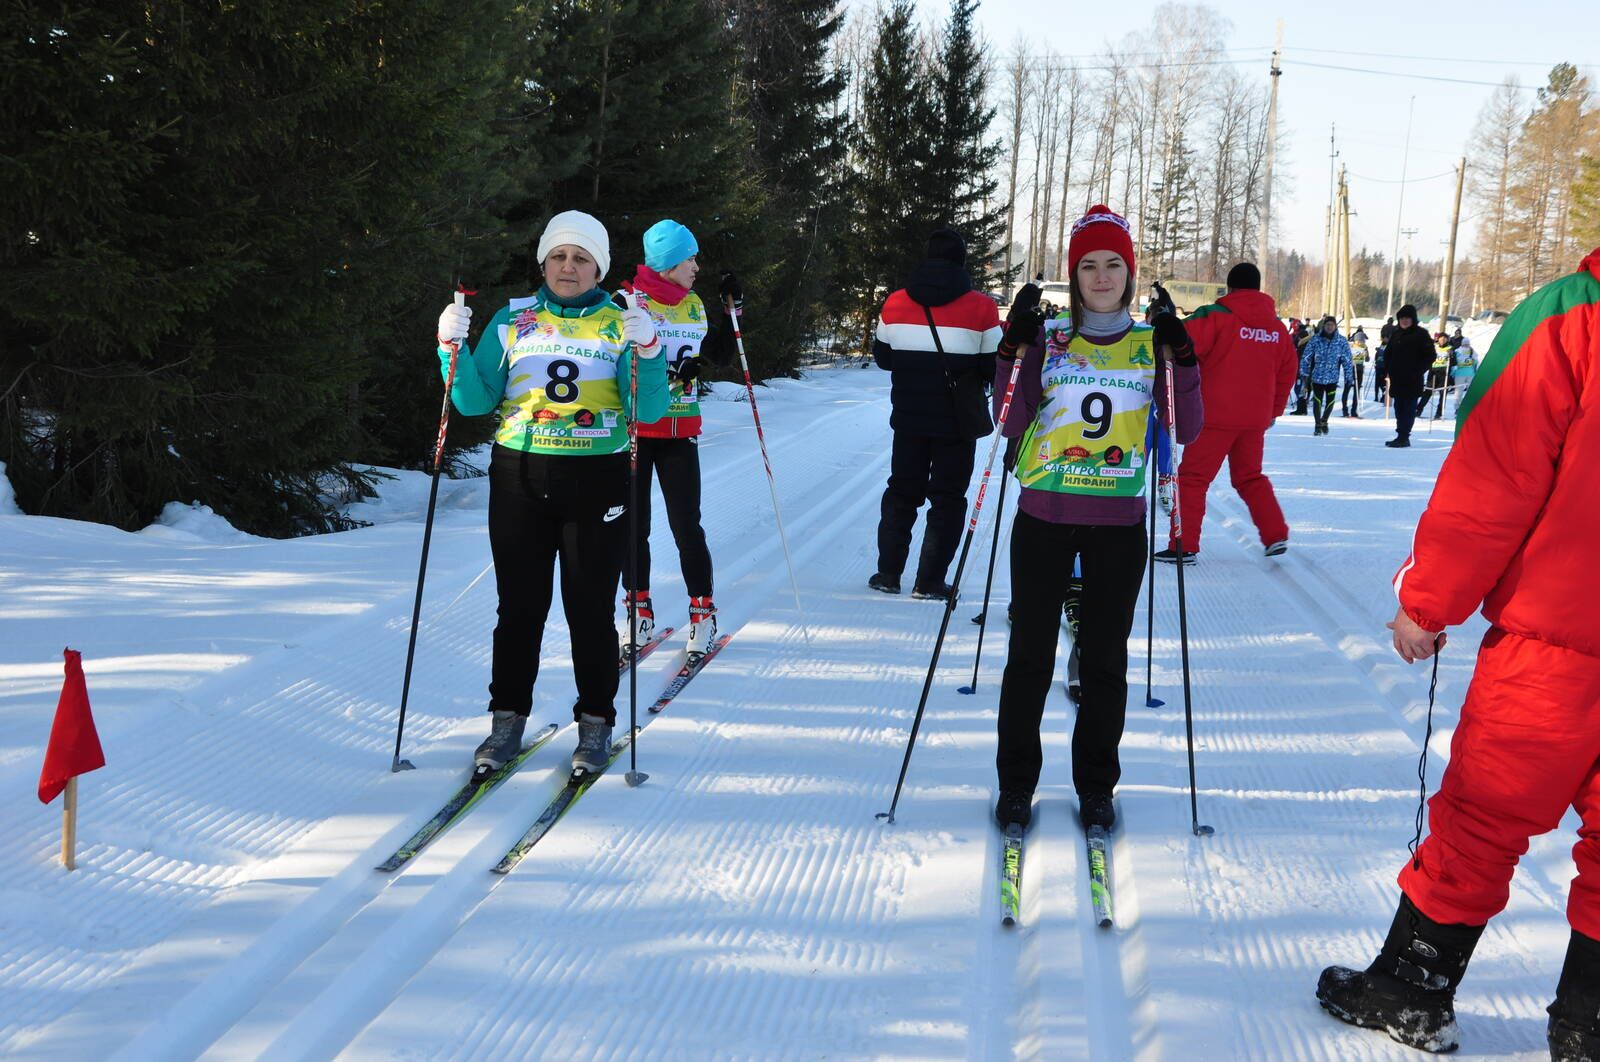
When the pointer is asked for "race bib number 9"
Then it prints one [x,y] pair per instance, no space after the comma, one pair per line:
[1088,436]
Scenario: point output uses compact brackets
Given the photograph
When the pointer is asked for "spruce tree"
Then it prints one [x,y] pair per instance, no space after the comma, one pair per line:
[789,96]
[892,184]
[964,159]
[226,212]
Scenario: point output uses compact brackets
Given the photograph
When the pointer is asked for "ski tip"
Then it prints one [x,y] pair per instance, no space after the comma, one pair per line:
[635,779]
[1105,921]
[388,867]
[1201,830]
[1153,702]
[968,690]
[1008,921]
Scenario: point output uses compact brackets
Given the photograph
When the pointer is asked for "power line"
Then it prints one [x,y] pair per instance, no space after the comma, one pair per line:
[1434,58]
[1401,73]
[1404,180]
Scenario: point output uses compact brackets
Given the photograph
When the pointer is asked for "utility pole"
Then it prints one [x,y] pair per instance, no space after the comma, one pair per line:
[1263,256]
[1405,276]
[1448,279]
[1327,269]
[1344,245]
[1400,211]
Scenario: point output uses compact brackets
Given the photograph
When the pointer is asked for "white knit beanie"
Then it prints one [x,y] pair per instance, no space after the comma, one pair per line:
[580,230]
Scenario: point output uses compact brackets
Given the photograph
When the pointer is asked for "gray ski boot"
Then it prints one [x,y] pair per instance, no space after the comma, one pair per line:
[503,743]
[594,744]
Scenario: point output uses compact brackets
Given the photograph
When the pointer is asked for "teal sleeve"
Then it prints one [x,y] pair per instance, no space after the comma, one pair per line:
[654,393]
[480,373]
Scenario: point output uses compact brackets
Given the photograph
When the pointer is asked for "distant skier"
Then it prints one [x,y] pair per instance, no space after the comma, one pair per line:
[1510,528]
[1406,360]
[1463,366]
[1325,359]
[556,366]
[1248,365]
[669,448]
[1350,398]
[1302,383]
[938,410]
[1081,409]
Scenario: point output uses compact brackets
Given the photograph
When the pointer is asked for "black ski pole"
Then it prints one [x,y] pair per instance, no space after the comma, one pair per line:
[1150,699]
[955,587]
[1183,617]
[427,540]
[634,777]
[988,584]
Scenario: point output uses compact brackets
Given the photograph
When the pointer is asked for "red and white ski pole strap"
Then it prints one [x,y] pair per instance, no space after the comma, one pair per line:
[999,434]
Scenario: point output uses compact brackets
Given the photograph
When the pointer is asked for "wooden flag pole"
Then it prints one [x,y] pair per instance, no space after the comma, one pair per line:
[69,826]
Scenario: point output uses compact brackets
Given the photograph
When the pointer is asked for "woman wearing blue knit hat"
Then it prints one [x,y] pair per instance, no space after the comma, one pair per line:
[669,447]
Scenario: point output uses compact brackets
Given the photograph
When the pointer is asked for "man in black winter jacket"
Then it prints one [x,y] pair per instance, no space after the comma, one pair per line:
[1407,357]
[938,338]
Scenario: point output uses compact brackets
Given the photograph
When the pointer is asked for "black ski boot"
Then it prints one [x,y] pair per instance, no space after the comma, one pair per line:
[1014,808]
[1574,1029]
[1409,990]
[884,584]
[1096,809]
[933,592]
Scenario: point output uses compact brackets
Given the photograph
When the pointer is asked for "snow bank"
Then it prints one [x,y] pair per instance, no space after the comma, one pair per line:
[194,522]
[8,497]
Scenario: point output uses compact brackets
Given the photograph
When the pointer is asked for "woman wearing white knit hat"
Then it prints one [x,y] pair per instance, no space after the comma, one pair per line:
[555,366]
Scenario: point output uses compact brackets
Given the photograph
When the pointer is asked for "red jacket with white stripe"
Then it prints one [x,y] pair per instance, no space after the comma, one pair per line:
[921,387]
[1511,522]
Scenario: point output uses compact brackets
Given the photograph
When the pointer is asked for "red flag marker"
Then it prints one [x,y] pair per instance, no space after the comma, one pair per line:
[74,749]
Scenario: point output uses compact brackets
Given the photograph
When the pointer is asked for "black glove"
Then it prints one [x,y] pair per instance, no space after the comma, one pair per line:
[728,288]
[1028,297]
[1023,329]
[1009,461]
[688,370]
[1161,304]
[1171,334]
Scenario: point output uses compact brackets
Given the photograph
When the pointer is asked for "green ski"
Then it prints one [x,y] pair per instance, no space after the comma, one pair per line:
[578,783]
[480,785]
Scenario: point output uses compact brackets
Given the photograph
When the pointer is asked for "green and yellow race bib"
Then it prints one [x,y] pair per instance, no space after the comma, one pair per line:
[561,386]
[1088,434]
[681,329]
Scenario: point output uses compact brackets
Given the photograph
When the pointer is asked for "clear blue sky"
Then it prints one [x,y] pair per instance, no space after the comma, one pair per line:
[1484,39]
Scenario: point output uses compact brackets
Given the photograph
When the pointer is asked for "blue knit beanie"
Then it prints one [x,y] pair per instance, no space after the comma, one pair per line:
[666,244]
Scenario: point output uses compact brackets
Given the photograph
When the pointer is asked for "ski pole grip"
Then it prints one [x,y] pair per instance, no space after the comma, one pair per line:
[461,298]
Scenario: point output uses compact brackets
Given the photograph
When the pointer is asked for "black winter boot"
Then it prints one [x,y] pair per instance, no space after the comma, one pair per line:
[1409,990]
[1574,1030]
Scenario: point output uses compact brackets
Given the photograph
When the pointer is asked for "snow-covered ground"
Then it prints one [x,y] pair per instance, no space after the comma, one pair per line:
[744,902]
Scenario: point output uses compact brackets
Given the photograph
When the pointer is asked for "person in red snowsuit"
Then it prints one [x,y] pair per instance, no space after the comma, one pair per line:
[1510,527]
[1247,369]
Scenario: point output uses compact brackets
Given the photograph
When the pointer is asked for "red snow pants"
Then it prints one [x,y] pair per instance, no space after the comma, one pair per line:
[1202,460]
[1527,748]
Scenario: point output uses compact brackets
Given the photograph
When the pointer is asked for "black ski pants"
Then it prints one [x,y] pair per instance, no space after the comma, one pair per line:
[1405,411]
[935,470]
[1322,402]
[1042,553]
[543,509]
[677,463]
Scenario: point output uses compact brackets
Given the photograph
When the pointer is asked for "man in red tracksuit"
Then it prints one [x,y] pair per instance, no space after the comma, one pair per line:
[1510,525]
[1247,369]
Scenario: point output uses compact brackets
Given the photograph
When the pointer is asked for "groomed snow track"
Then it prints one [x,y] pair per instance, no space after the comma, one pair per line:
[745,902]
